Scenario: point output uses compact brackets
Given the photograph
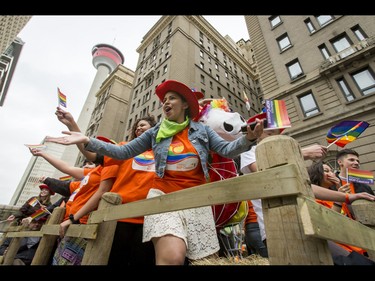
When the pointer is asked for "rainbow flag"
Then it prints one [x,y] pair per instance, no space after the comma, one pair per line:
[33,202]
[38,214]
[61,98]
[360,176]
[346,132]
[277,114]
[66,178]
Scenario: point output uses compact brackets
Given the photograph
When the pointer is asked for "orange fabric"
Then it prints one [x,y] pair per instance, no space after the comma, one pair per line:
[251,215]
[134,179]
[349,248]
[82,192]
[184,168]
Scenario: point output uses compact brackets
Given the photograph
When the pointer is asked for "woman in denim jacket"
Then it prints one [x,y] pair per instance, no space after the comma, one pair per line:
[181,148]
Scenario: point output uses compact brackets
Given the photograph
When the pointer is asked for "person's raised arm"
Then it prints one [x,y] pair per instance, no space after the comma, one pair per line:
[59,164]
[67,119]
[315,151]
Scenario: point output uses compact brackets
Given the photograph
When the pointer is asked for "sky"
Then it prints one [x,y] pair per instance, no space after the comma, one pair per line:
[57,53]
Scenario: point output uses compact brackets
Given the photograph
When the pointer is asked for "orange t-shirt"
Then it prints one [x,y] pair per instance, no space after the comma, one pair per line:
[81,192]
[184,168]
[134,179]
[251,215]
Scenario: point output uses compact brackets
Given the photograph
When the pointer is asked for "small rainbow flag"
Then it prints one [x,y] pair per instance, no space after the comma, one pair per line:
[38,214]
[61,98]
[66,178]
[33,202]
[277,114]
[360,176]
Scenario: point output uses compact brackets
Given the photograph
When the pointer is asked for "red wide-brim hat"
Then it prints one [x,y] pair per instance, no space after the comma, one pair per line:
[47,187]
[183,90]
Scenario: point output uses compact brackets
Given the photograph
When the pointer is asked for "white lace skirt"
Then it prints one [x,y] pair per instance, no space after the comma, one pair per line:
[195,226]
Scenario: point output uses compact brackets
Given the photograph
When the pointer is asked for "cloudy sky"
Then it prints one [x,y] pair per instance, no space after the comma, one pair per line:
[57,53]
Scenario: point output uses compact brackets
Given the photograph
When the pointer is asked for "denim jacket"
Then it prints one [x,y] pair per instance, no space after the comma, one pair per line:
[203,138]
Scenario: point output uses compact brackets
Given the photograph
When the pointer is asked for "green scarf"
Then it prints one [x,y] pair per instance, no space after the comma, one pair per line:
[170,128]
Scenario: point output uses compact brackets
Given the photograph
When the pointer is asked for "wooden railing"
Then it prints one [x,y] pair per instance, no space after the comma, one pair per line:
[297,227]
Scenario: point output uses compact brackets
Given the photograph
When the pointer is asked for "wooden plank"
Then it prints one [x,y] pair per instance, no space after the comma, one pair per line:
[322,222]
[87,231]
[25,234]
[364,212]
[280,181]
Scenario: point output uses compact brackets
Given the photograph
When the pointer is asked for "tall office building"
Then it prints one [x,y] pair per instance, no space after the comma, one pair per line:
[8,63]
[323,67]
[10,27]
[37,167]
[111,108]
[105,59]
[189,49]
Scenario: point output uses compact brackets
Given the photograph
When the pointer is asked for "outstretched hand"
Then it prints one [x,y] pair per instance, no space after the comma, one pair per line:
[315,151]
[361,195]
[71,138]
[64,117]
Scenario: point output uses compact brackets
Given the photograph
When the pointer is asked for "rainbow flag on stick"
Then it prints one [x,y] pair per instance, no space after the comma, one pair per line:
[66,178]
[360,176]
[277,114]
[33,202]
[40,213]
[345,132]
[61,99]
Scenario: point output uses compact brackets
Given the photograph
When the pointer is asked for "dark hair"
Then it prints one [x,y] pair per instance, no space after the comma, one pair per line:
[316,172]
[149,119]
[344,152]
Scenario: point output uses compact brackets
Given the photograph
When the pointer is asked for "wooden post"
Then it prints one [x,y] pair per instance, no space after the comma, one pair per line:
[97,250]
[13,249]
[286,241]
[364,212]
[47,242]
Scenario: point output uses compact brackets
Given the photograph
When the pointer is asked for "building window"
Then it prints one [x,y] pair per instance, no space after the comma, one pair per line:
[284,42]
[365,81]
[308,104]
[323,49]
[202,65]
[209,59]
[274,21]
[310,26]
[323,20]
[217,78]
[216,66]
[345,89]
[202,79]
[201,54]
[294,69]
[359,33]
[165,69]
[342,45]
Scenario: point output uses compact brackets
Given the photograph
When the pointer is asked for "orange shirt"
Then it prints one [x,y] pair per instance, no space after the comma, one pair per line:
[183,168]
[81,192]
[134,179]
[251,215]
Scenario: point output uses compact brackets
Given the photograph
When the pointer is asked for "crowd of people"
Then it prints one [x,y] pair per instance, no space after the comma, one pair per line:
[165,157]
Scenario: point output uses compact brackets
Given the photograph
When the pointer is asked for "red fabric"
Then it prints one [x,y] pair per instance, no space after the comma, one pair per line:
[223,168]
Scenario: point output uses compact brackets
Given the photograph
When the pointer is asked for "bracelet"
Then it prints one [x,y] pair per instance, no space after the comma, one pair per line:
[347,201]
[337,204]
[71,217]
